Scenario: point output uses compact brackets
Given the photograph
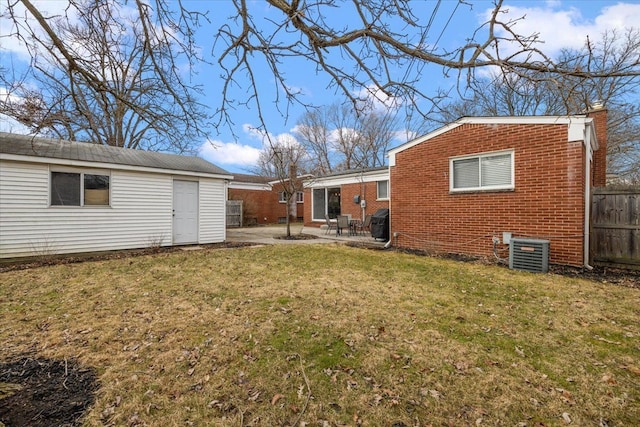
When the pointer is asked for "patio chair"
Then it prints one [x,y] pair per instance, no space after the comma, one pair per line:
[365,225]
[331,225]
[343,222]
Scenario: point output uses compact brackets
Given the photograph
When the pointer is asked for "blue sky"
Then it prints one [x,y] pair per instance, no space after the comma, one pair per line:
[560,23]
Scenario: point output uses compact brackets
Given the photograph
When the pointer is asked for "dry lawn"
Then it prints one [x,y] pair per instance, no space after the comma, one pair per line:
[327,335]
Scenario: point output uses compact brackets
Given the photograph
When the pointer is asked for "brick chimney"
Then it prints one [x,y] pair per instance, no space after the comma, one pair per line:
[599,170]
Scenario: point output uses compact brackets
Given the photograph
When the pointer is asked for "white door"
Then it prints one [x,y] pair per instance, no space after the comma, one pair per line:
[185,212]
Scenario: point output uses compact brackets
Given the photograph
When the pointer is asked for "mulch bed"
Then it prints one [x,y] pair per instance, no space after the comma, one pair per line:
[299,236]
[37,392]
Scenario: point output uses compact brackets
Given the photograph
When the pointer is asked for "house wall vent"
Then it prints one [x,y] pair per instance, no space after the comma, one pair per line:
[529,255]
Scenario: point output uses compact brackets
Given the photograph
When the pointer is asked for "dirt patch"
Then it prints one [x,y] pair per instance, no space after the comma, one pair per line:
[39,392]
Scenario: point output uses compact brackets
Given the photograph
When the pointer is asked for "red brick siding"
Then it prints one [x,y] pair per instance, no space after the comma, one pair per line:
[548,200]
[263,205]
[600,156]
[258,204]
[367,191]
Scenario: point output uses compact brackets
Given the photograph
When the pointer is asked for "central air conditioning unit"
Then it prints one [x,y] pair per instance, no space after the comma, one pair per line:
[529,255]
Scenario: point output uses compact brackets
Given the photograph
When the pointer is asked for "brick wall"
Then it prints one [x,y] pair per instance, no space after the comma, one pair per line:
[258,205]
[263,206]
[367,191]
[547,202]
[599,177]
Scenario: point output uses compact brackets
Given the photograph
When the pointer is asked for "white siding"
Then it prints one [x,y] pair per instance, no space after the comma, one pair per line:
[212,211]
[139,215]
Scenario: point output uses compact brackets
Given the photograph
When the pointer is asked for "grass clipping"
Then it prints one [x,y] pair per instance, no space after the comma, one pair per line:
[331,335]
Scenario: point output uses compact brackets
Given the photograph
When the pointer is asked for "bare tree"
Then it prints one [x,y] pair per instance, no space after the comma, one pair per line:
[384,44]
[338,137]
[313,132]
[107,79]
[344,135]
[284,160]
[377,129]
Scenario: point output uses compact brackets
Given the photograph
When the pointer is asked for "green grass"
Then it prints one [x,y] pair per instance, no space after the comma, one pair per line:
[306,334]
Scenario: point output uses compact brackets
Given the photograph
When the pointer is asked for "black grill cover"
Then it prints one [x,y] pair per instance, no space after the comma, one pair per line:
[380,224]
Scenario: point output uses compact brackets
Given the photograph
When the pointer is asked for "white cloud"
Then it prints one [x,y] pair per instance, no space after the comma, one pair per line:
[377,99]
[560,27]
[8,124]
[404,135]
[254,132]
[225,154]
[234,155]
[286,139]
[48,8]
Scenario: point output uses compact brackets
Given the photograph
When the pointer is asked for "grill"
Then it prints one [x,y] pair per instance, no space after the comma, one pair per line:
[380,224]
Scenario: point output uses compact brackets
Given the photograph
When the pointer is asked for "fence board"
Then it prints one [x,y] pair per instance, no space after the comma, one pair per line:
[234,213]
[615,227]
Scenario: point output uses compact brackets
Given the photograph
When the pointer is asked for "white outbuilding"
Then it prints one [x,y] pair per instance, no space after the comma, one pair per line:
[61,197]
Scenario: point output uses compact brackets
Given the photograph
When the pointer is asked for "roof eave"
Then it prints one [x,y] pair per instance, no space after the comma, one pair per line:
[116,166]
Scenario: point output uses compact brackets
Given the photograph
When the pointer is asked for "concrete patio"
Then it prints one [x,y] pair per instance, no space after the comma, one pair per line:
[268,235]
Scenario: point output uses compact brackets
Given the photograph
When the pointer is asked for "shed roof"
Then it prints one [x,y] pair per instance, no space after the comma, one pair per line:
[26,145]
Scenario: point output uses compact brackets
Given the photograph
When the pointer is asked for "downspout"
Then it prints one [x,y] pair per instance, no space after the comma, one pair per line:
[392,162]
[587,195]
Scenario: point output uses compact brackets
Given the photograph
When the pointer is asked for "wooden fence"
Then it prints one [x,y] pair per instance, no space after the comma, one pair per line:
[234,213]
[615,228]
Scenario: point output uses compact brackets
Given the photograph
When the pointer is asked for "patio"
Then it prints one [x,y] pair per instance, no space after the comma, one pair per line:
[267,235]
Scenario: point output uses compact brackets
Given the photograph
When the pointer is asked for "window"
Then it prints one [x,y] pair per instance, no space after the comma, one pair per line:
[96,190]
[482,172]
[383,189]
[65,189]
[79,189]
[282,197]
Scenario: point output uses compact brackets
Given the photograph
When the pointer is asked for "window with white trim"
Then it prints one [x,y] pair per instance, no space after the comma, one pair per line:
[383,189]
[79,189]
[491,171]
[282,197]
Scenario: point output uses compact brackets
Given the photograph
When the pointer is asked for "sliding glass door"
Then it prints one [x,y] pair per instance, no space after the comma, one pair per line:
[326,201]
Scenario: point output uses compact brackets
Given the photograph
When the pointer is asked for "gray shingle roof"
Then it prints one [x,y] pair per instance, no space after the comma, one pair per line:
[25,145]
[240,177]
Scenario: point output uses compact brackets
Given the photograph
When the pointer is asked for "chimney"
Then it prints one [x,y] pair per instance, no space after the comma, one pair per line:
[599,115]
